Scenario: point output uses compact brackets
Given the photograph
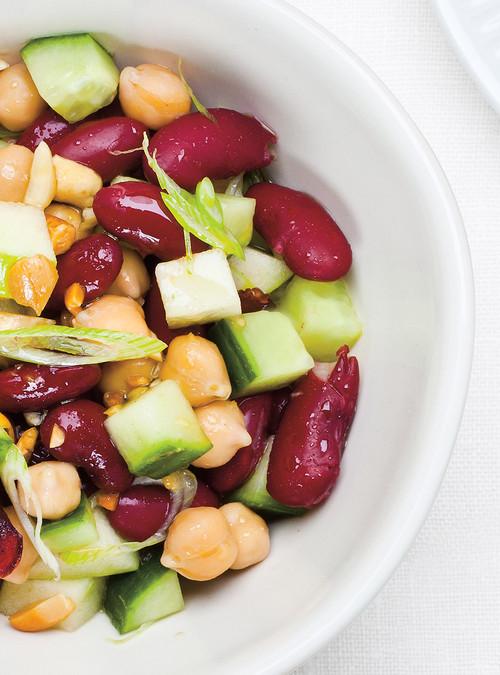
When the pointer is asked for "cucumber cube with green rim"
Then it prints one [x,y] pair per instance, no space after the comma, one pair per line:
[259,270]
[73,73]
[262,351]
[199,290]
[75,530]
[87,594]
[101,559]
[323,314]
[254,494]
[158,433]
[138,598]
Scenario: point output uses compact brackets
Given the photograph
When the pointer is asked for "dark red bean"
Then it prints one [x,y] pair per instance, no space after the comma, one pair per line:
[257,413]
[103,145]
[4,498]
[135,213]
[49,127]
[142,510]
[193,147]
[305,458]
[11,545]
[29,388]
[40,454]
[300,230]
[93,262]
[280,402]
[87,444]
[205,496]
[155,317]
[253,300]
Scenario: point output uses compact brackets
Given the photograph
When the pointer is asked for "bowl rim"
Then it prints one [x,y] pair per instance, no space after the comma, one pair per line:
[297,648]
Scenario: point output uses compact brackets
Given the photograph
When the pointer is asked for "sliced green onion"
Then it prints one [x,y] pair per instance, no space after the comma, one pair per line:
[235,186]
[14,473]
[252,177]
[196,102]
[65,346]
[199,214]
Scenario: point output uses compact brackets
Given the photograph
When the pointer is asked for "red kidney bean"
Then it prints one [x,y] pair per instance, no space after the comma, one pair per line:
[49,127]
[154,312]
[4,498]
[87,444]
[280,402]
[193,147]
[300,230]
[305,458]
[257,413]
[93,262]
[205,496]
[135,213]
[40,454]
[11,545]
[142,510]
[29,388]
[103,145]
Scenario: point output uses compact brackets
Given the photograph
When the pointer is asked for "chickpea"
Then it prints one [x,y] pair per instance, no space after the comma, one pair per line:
[199,544]
[153,94]
[123,376]
[15,168]
[113,312]
[57,486]
[20,102]
[251,533]
[133,279]
[196,364]
[29,555]
[224,424]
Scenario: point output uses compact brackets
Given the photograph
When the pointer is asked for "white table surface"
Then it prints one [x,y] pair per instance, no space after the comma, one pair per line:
[440,613]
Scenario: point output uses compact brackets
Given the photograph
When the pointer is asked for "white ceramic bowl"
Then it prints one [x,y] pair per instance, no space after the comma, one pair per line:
[344,139]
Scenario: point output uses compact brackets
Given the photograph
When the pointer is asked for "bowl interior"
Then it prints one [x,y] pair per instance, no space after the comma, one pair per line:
[343,139]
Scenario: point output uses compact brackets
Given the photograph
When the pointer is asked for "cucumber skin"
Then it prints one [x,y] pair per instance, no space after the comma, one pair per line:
[240,369]
[254,494]
[150,594]
[76,530]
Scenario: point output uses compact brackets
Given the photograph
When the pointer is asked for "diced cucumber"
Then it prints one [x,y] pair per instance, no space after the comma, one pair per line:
[150,594]
[253,493]
[259,270]
[108,561]
[238,215]
[199,290]
[76,530]
[262,351]
[158,433]
[73,73]
[87,594]
[323,314]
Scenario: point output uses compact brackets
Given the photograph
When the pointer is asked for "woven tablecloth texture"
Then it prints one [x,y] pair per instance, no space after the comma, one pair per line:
[440,612]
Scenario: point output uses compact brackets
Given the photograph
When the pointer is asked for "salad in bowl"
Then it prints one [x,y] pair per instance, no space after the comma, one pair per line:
[175,335]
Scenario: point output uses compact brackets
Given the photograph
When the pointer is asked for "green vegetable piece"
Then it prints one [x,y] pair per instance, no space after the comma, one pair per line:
[323,314]
[73,73]
[253,493]
[262,351]
[142,597]
[75,530]
[158,433]
[109,555]
[259,270]
[238,213]
[87,594]
[199,214]
[65,346]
